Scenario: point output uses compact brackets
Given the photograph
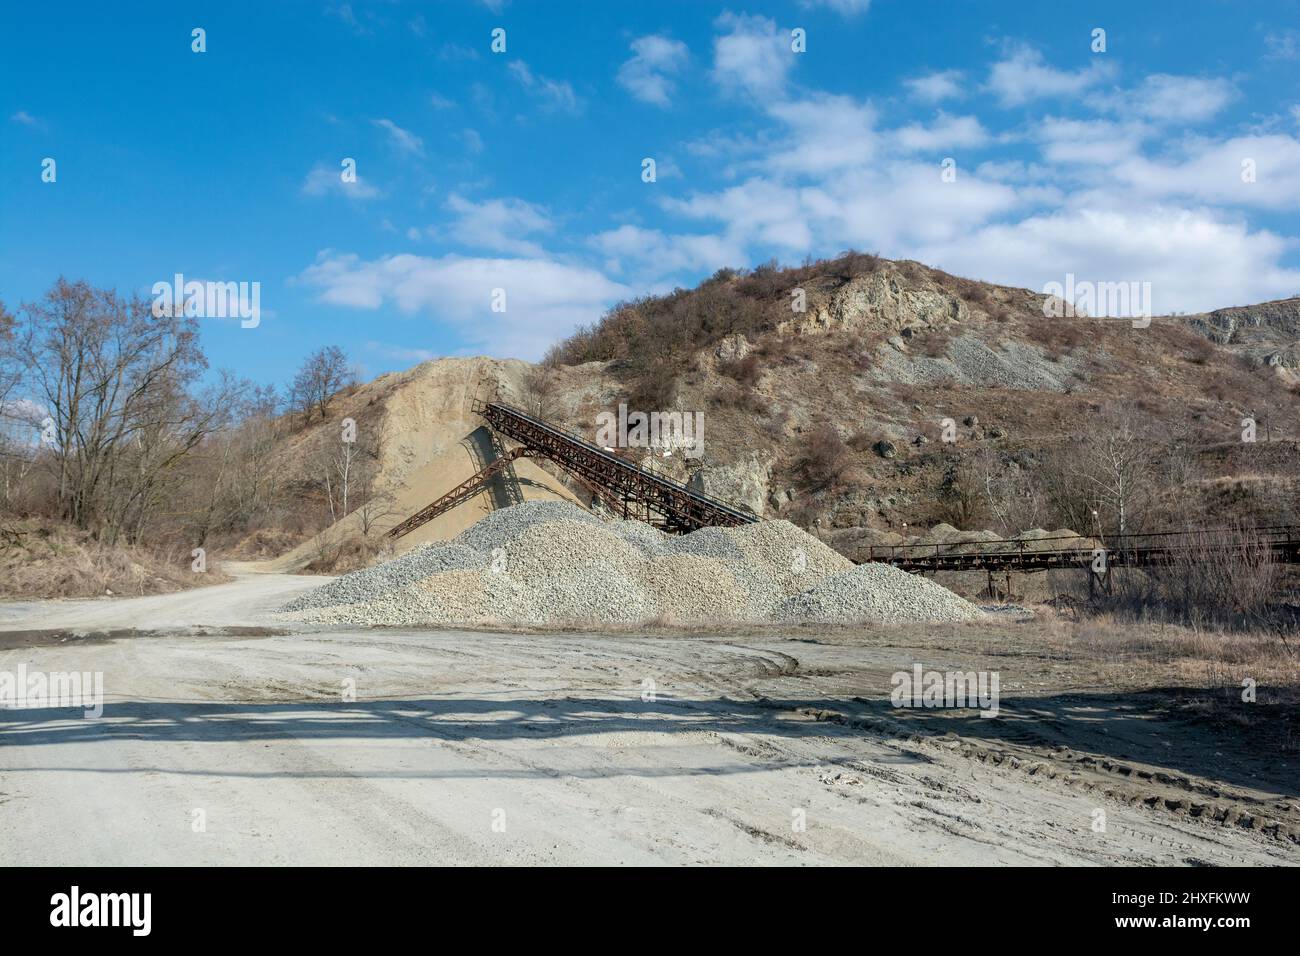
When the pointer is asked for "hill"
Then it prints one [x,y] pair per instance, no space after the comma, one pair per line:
[868,400]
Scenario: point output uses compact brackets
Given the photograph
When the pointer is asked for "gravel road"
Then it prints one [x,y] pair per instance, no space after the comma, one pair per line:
[414,747]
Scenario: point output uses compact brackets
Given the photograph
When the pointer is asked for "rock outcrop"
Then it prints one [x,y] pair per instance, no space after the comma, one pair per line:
[884,301]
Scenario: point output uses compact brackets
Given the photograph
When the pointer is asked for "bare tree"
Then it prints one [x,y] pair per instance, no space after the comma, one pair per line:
[234,478]
[375,507]
[1010,498]
[1119,470]
[322,374]
[1105,478]
[18,420]
[114,378]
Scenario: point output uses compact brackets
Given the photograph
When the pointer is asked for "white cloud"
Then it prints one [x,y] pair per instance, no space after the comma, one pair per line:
[877,206]
[902,204]
[1283,46]
[1024,76]
[22,117]
[401,353]
[1102,142]
[472,140]
[545,299]
[946,132]
[1212,171]
[403,140]
[648,74]
[825,133]
[847,8]
[1194,259]
[499,225]
[553,94]
[654,254]
[440,102]
[753,56]
[1164,98]
[758,211]
[322,181]
[942,85]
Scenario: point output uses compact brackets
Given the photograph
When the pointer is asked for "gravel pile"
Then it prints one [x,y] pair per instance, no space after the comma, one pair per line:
[549,563]
[876,592]
[416,565]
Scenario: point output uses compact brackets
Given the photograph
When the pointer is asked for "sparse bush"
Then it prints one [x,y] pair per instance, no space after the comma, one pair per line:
[745,371]
[860,441]
[1225,578]
[741,398]
[934,343]
[823,459]
[1201,351]
[340,555]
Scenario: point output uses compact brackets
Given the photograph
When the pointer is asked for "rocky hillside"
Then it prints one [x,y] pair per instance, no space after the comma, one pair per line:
[1267,334]
[902,396]
[870,400]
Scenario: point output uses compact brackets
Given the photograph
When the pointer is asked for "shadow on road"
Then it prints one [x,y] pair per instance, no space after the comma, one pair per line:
[1143,727]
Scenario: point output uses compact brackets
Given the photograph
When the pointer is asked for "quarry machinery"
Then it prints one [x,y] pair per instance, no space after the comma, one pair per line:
[624,487]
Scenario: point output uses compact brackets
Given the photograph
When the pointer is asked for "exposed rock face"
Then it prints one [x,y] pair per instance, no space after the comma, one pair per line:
[1269,333]
[732,348]
[883,301]
[742,484]
[1228,325]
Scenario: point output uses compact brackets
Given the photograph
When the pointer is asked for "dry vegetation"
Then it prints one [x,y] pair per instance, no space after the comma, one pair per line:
[1143,435]
[44,559]
[119,457]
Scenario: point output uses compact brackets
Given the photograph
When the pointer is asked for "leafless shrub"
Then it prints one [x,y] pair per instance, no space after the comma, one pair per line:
[1201,351]
[861,441]
[734,395]
[746,371]
[961,501]
[1225,578]
[1012,500]
[823,459]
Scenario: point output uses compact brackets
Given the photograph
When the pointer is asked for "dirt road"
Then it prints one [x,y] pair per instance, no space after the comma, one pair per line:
[386,747]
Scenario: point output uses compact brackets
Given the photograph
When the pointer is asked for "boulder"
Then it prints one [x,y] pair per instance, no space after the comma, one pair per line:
[741,484]
[733,348]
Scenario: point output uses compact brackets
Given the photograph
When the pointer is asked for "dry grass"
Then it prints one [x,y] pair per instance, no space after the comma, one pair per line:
[339,555]
[43,559]
[1157,653]
[266,543]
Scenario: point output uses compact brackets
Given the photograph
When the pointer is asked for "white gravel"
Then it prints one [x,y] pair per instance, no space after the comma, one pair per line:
[552,564]
[876,592]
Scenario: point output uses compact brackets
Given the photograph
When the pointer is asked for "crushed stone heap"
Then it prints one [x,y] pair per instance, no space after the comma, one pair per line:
[553,564]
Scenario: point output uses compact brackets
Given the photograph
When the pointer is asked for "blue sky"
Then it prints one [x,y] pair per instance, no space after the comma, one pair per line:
[522,170]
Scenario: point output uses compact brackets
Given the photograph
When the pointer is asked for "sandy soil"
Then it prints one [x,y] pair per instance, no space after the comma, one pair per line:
[491,748]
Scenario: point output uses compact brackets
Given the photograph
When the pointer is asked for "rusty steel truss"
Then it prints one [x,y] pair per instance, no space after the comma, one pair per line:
[1280,544]
[624,487]
[463,492]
